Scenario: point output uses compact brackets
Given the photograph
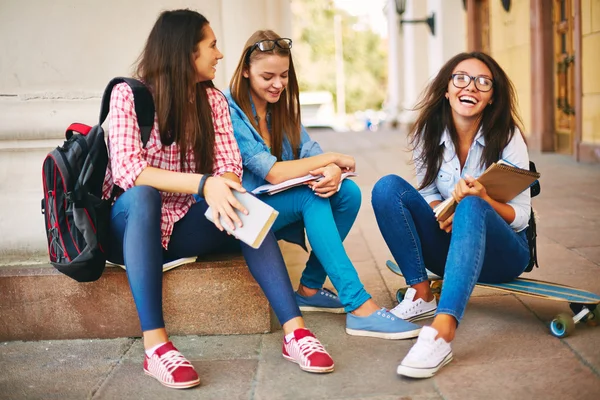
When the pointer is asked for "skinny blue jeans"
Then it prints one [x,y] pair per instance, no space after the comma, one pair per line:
[136,242]
[481,247]
[327,223]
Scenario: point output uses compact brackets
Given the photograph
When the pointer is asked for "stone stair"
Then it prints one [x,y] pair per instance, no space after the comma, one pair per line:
[213,296]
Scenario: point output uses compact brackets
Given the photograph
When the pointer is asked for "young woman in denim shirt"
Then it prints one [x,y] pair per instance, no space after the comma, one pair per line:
[265,112]
[191,150]
[468,120]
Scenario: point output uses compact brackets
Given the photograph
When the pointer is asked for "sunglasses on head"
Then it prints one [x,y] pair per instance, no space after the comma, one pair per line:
[268,45]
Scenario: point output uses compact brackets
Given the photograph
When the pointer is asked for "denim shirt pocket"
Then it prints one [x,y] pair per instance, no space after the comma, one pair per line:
[445,181]
[444,176]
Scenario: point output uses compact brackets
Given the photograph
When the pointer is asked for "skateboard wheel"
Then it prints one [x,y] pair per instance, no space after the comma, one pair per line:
[436,289]
[562,325]
[400,294]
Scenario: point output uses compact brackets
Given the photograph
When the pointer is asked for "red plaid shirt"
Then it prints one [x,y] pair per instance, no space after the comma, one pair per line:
[128,158]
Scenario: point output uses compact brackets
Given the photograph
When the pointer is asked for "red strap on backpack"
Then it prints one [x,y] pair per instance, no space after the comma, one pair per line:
[79,128]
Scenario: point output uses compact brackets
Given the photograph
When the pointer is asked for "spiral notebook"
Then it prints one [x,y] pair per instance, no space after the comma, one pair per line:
[502,181]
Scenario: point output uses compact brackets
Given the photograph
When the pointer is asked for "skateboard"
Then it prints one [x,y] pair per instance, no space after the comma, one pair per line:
[582,303]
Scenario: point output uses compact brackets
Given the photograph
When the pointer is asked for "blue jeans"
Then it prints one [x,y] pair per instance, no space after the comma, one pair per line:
[136,242]
[481,247]
[327,223]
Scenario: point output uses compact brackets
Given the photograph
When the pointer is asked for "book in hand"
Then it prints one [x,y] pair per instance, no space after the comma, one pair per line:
[255,225]
[290,183]
[502,182]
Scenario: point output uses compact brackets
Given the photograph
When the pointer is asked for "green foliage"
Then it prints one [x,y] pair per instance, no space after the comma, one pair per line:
[364,53]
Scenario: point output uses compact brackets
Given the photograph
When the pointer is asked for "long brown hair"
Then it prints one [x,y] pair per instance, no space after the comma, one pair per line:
[498,121]
[285,114]
[166,65]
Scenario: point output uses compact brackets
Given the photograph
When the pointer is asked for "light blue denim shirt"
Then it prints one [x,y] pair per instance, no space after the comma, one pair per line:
[449,174]
[256,155]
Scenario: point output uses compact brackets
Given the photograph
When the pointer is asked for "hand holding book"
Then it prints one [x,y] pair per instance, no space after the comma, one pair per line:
[303,180]
[330,181]
[501,181]
[217,191]
[254,224]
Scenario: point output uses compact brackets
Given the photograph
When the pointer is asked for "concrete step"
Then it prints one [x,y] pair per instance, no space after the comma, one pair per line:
[213,296]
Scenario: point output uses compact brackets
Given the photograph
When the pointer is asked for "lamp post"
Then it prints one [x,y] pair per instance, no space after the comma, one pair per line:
[430,21]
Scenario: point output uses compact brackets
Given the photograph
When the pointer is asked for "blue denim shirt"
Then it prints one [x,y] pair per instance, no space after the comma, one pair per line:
[449,174]
[256,155]
[258,160]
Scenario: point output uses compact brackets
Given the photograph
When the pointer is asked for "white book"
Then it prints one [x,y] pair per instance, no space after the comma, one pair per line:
[255,225]
[290,183]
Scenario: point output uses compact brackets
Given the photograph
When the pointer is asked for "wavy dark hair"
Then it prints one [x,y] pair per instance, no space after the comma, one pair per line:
[285,113]
[498,121]
[167,66]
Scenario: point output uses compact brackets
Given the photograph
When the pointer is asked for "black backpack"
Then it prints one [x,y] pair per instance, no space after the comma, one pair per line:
[531,229]
[76,217]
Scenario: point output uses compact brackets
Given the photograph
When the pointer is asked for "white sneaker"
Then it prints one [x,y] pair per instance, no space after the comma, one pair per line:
[166,266]
[427,356]
[410,310]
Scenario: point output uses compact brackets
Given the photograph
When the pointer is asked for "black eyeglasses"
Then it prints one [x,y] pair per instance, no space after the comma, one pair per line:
[482,83]
[268,45]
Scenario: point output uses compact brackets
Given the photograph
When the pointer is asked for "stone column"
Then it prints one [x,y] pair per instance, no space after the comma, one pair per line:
[395,64]
[450,31]
[542,77]
[416,71]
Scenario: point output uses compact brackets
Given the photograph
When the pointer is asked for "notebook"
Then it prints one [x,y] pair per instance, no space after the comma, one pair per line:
[502,181]
[255,225]
[290,183]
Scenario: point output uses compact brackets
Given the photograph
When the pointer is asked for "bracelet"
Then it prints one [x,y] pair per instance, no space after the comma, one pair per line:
[201,185]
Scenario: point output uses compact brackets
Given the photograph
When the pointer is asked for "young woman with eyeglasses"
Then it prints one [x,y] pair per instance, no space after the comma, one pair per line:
[468,119]
[265,112]
[191,150]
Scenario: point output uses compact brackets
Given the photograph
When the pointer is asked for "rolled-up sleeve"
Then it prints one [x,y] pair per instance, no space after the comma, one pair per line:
[127,160]
[227,152]
[516,153]
[430,192]
[255,156]
[308,147]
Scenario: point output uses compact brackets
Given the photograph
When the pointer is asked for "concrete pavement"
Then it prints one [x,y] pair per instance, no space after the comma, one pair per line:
[502,350]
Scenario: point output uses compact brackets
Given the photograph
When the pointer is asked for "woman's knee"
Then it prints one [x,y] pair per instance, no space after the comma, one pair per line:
[387,188]
[472,205]
[143,199]
[350,195]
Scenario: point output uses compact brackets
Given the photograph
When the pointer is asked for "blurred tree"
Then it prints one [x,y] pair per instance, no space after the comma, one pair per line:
[365,55]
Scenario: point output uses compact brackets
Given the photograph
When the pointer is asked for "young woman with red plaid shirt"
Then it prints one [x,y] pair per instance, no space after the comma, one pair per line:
[191,150]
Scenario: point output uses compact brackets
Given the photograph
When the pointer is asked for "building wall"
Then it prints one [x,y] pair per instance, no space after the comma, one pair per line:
[590,14]
[57,56]
[510,45]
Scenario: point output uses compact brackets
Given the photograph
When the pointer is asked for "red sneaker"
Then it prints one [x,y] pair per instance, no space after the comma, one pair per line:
[306,351]
[168,366]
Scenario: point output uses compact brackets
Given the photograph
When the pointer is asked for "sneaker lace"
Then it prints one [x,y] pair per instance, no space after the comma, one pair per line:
[172,360]
[405,306]
[309,345]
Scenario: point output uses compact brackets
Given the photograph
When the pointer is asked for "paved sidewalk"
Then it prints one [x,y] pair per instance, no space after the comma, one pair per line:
[502,351]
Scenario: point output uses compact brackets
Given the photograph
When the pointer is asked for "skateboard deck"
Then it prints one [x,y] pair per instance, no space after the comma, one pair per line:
[582,302]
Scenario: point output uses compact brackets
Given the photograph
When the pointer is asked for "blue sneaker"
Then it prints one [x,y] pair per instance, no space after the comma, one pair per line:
[381,324]
[324,300]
